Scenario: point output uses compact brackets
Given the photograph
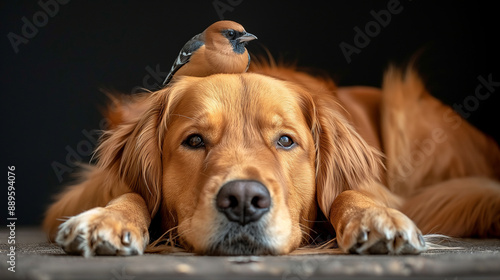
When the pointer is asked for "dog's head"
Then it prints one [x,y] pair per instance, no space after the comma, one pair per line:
[237,163]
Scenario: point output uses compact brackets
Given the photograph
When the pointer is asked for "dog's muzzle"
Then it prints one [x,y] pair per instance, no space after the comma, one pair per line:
[244,204]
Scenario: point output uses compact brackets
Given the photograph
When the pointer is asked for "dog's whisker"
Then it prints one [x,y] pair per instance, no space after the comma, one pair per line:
[310,229]
[313,221]
[305,235]
[169,232]
[171,245]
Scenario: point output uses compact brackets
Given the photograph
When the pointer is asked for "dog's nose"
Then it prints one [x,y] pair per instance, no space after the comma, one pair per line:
[243,201]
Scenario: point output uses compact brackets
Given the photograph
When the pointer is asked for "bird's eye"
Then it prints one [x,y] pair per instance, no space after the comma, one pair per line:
[231,34]
[285,142]
[194,141]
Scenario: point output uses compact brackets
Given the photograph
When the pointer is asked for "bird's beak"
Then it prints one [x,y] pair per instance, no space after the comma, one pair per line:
[247,37]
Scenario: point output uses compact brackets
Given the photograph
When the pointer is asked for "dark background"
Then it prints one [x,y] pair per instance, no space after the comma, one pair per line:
[50,96]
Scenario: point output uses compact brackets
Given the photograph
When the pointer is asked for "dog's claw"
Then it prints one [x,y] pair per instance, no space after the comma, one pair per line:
[363,237]
[421,240]
[126,238]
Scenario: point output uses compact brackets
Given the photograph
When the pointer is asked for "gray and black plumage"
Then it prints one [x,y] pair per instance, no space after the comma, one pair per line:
[218,49]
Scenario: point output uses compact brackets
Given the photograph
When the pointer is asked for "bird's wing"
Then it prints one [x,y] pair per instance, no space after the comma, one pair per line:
[184,55]
[248,64]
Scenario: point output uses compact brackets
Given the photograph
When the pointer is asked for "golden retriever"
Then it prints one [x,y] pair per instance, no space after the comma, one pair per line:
[253,163]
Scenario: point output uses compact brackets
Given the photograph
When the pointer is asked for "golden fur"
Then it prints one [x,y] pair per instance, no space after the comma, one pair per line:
[362,158]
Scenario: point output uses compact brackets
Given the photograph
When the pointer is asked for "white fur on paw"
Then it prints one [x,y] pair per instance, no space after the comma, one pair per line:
[382,231]
[99,231]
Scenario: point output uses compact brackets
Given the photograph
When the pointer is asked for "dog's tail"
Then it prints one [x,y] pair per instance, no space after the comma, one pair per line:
[462,207]
[448,169]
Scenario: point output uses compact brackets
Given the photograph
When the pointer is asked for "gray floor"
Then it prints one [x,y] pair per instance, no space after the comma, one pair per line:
[37,259]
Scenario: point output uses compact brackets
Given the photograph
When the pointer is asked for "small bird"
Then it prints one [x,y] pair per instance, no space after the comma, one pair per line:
[218,49]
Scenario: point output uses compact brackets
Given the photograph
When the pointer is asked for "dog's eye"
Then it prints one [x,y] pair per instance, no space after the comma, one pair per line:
[194,141]
[285,141]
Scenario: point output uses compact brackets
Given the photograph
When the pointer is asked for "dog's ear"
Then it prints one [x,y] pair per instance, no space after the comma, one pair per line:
[123,108]
[344,161]
[133,148]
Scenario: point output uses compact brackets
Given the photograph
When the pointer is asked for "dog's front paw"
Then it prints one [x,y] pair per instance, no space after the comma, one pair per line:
[100,231]
[380,230]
